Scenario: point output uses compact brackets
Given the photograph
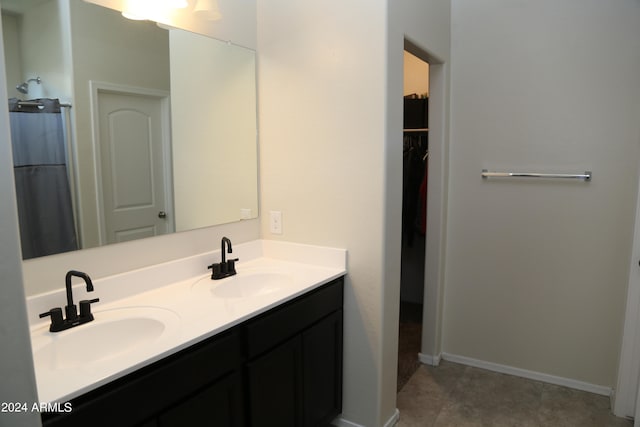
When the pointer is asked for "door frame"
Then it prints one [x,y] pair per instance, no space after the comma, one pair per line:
[627,387]
[97,87]
[431,340]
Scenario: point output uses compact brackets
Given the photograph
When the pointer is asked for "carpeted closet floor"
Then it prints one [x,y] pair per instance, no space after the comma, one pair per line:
[409,341]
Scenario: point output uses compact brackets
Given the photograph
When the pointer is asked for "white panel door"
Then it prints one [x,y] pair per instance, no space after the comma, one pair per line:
[131,160]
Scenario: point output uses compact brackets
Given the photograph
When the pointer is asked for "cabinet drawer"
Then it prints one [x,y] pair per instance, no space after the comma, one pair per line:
[139,396]
[279,324]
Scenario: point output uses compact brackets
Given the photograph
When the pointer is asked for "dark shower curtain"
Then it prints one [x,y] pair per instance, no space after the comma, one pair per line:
[45,211]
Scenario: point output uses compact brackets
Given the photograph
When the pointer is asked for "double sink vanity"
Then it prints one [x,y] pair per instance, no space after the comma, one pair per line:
[169,346]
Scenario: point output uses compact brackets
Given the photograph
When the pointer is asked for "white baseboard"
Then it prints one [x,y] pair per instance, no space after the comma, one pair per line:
[341,422]
[428,359]
[393,420]
[532,375]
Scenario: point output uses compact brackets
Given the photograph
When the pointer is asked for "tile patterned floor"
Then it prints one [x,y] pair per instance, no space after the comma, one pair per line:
[454,395]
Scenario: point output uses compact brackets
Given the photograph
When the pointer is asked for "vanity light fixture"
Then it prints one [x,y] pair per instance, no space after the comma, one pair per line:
[178,4]
[209,9]
[137,10]
[144,9]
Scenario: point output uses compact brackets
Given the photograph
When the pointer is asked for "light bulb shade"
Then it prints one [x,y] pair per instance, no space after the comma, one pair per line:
[208,9]
[137,9]
[146,9]
[178,4]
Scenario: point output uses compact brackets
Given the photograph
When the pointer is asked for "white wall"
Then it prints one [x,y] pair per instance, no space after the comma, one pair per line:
[44,48]
[330,101]
[537,271]
[322,124]
[13,60]
[16,363]
[36,45]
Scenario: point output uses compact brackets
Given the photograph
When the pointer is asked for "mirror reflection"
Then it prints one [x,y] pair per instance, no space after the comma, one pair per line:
[124,130]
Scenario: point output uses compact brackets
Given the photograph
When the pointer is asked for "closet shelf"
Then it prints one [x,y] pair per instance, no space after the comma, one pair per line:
[416,130]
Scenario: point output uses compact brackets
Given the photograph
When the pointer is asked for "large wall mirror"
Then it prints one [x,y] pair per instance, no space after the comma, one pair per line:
[123,129]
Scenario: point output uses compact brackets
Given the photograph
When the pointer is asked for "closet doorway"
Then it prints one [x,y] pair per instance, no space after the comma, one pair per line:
[415,147]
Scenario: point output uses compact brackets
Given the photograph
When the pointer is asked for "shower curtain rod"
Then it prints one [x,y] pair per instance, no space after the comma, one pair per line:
[38,104]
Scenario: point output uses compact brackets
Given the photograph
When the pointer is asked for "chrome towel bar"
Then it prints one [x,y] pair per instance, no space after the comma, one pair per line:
[585,176]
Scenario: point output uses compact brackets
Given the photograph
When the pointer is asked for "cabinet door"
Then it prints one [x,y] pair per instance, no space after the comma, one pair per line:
[218,405]
[275,386]
[322,371]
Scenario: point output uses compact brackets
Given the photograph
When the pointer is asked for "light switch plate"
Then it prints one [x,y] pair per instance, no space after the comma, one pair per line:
[275,222]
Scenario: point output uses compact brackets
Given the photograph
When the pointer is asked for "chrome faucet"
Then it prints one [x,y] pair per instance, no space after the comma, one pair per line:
[58,323]
[224,268]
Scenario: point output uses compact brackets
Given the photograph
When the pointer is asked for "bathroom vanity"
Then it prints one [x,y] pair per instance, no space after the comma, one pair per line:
[263,350]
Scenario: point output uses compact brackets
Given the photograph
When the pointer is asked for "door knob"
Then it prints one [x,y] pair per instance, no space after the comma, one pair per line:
[162,214]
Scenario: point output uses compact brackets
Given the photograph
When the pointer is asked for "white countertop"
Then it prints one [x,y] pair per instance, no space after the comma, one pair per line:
[181,296]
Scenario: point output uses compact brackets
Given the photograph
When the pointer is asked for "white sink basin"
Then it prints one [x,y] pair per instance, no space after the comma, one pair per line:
[246,284]
[113,333]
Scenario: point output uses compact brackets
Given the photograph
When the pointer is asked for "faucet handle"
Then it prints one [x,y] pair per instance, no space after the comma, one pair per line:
[56,318]
[231,266]
[85,308]
[216,271]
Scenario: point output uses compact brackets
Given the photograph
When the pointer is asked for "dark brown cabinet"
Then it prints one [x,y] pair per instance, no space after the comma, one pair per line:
[149,396]
[220,404]
[294,368]
[322,371]
[299,383]
[274,386]
[283,367]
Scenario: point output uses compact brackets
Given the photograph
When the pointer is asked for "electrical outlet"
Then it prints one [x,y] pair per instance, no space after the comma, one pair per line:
[275,223]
